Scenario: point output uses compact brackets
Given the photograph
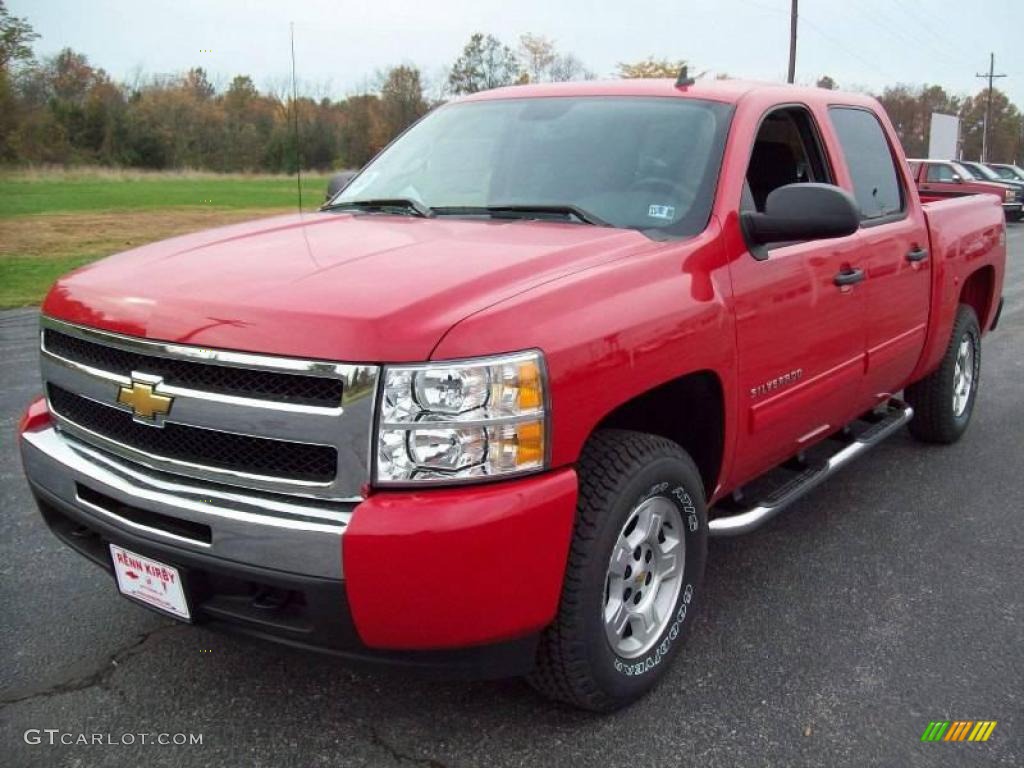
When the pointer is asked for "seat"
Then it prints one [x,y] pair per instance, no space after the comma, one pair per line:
[772,165]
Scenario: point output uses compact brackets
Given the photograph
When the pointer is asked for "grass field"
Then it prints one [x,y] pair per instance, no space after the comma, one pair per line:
[53,221]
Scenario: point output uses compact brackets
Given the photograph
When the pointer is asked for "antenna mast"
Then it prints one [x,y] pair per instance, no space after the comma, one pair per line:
[295,121]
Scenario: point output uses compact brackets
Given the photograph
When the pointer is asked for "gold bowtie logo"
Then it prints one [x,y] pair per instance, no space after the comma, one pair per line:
[144,402]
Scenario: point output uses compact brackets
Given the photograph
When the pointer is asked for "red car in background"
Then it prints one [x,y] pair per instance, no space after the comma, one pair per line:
[940,179]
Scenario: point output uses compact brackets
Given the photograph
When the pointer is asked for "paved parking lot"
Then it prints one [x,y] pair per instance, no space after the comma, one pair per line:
[890,597]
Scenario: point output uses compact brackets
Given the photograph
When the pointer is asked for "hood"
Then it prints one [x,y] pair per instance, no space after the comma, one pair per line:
[354,288]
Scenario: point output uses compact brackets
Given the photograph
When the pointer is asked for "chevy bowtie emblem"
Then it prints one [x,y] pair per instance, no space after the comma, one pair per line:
[146,404]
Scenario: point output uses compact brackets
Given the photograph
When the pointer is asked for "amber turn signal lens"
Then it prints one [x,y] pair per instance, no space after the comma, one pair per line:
[530,438]
[530,395]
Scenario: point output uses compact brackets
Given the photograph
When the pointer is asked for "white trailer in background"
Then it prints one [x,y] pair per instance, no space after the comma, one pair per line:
[944,137]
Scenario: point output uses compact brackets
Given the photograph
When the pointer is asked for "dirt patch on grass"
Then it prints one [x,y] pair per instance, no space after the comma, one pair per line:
[37,249]
[56,235]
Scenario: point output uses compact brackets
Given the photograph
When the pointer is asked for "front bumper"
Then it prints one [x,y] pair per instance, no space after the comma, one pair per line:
[1013,209]
[457,581]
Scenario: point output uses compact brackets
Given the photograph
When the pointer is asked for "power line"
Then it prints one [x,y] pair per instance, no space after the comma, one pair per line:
[988,105]
[842,46]
[944,47]
[893,28]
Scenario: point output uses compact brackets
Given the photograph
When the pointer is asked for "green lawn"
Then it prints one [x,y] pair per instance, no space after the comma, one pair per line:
[52,221]
[25,279]
[28,193]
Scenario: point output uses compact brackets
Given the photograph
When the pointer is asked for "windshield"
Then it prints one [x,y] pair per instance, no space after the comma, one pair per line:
[979,171]
[641,163]
[1009,172]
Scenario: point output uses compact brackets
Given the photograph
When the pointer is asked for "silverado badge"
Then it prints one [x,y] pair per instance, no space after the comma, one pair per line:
[145,403]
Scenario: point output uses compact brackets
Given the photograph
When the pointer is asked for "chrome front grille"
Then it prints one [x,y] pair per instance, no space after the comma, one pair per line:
[256,421]
[222,379]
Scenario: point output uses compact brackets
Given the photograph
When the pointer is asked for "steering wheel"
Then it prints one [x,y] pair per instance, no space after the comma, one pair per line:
[661,191]
[658,185]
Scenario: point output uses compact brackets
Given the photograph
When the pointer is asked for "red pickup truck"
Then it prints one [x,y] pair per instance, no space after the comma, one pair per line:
[481,414]
[942,179]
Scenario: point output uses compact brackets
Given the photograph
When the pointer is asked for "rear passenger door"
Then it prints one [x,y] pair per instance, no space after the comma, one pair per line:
[894,250]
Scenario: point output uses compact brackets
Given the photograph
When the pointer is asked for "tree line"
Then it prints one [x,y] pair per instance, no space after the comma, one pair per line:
[63,110]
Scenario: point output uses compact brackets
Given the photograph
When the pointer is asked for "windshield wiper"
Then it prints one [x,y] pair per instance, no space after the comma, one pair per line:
[413,207]
[523,211]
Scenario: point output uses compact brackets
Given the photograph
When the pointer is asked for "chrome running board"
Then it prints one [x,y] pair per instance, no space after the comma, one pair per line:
[894,416]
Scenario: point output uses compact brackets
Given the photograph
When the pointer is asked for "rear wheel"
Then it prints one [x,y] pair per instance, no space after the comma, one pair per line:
[943,401]
[634,571]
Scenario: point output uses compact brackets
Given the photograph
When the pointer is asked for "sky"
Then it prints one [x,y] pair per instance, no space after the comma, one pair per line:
[341,44]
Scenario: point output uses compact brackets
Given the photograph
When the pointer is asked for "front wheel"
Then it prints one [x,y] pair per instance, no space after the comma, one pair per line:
[943,401]
[634,572]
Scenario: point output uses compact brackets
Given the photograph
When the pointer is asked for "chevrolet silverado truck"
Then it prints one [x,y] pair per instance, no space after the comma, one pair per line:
[480,415]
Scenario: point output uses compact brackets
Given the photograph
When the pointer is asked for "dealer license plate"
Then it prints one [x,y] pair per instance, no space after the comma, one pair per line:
[150,582]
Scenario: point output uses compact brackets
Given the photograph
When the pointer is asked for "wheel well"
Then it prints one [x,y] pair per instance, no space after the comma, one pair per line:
[689,411]
[977,293]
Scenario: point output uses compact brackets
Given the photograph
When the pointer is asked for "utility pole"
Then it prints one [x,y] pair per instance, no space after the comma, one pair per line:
[988,106]
[792,43]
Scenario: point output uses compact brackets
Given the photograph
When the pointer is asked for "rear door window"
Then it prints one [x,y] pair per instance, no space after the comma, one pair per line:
[876,180]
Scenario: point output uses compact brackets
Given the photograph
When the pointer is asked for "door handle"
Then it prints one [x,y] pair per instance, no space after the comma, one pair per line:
[917,254]
[849,277]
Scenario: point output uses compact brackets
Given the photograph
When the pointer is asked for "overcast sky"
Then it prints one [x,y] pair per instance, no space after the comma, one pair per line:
[341,44]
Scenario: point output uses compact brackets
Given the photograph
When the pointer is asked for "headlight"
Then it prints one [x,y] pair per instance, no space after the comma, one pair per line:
[1009,195]
[461,420]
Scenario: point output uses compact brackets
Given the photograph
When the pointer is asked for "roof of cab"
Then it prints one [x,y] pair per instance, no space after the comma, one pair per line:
[727,91]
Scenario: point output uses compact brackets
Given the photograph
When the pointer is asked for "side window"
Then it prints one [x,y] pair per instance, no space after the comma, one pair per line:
[939,172]
[876,182]
[787,150]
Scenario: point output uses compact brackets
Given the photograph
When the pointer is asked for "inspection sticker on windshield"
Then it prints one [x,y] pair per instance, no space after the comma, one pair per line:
[151,582]
[661,211]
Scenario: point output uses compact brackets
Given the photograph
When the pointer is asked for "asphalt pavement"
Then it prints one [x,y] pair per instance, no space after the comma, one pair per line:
[888,598]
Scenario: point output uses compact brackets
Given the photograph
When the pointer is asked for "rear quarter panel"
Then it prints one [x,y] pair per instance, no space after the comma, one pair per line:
[967,234]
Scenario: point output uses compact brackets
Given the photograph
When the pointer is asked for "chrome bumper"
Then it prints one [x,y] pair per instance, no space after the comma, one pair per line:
[289,534]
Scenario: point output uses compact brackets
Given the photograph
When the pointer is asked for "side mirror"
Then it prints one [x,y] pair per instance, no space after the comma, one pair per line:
[338,182]
[957,179]
[802,212]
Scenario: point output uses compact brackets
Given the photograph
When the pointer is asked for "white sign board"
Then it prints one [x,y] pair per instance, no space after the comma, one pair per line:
[943,137]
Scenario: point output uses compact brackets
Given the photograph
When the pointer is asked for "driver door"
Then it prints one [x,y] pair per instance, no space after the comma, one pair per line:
[800,337]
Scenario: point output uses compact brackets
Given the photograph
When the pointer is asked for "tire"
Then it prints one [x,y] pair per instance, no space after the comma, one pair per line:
[625,476]
[938,417]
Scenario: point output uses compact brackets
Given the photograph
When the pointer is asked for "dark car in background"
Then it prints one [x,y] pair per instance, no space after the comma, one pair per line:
[939,179]
[982,172]
[1008,171]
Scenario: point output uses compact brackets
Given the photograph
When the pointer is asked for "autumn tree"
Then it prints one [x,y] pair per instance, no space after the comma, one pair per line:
[16,37]
[362,137]
[485,63]
[910,110]
[401,99]
[198,84]
[650,67]
[1004,130]
[537,54]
